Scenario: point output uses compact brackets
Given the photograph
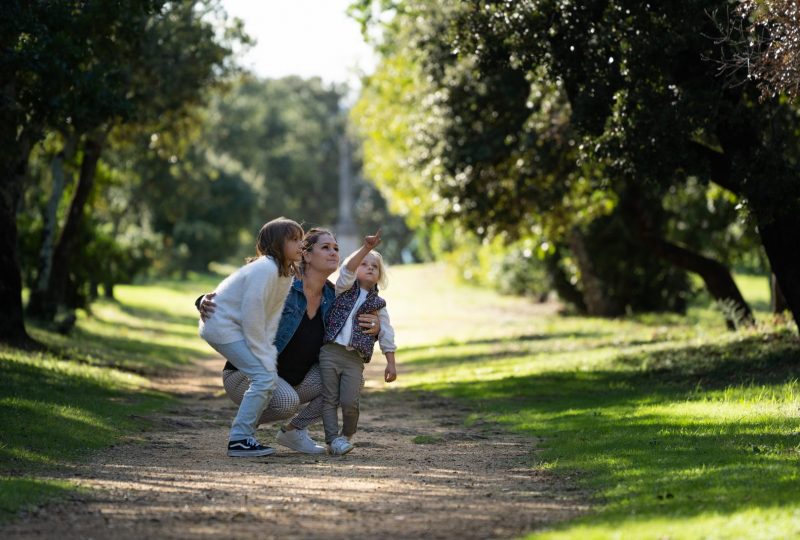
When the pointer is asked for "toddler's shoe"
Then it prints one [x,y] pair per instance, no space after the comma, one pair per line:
[339,446]
[248,447]
[298,439]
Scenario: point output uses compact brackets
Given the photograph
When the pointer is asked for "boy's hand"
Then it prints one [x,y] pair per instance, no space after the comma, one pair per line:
[390,374]
[372,241]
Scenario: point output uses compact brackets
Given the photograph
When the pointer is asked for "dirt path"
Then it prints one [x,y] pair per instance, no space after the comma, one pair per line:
[176,482]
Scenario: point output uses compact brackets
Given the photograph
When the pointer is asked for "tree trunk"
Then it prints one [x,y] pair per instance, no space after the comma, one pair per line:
[561,283]
[51,217]
[45,304]
[597,302]
[13,168]
[780,236]
[715,275]
[777,301]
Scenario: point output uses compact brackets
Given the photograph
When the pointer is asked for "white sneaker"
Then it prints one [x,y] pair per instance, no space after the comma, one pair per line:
[298,439]
[339,446]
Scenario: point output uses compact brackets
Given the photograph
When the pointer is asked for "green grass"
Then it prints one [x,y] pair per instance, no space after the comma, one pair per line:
[427,439]
[674,427]
[91,389]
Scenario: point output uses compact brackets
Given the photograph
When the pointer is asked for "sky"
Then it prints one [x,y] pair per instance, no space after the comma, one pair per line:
[303,37]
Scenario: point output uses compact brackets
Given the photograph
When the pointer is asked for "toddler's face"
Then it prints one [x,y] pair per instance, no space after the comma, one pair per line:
[369,272]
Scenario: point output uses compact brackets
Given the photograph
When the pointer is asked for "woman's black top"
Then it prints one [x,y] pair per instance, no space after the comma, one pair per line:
[301,352]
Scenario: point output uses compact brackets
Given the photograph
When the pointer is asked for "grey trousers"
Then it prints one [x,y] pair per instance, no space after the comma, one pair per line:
[342,377]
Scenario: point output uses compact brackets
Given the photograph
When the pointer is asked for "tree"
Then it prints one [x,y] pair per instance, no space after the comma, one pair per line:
[764,46]
[44,45]
[155,69]
[646,113]
[282,135]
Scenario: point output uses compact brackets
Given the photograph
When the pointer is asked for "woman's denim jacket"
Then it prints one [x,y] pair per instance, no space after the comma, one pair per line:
[294,308]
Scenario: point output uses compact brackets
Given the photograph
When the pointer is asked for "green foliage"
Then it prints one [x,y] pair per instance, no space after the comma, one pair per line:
[537,118]
[282,137]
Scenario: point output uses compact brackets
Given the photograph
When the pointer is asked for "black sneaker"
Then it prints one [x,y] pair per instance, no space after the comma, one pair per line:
[248,448]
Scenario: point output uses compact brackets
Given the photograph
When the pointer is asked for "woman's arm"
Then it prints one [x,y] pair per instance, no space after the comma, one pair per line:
[370,323]
[206,306]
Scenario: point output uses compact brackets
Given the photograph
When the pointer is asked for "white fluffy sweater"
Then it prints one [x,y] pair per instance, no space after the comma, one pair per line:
[249,306]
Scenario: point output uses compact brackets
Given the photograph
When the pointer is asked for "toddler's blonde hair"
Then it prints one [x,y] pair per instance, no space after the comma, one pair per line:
[383,279]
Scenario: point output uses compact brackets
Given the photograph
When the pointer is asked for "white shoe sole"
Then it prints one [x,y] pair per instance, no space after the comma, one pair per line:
[332,453]
[251,453]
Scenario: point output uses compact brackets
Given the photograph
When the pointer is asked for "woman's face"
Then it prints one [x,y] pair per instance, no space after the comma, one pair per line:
[324,255]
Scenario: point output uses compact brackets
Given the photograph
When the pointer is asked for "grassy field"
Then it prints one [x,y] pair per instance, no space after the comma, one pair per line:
[55,408]
[674,427]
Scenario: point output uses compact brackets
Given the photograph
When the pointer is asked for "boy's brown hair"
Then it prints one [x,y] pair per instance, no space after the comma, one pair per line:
[271,239]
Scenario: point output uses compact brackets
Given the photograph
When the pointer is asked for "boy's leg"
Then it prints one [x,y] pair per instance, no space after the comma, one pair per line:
[255,399]
[350,385]
[330,372]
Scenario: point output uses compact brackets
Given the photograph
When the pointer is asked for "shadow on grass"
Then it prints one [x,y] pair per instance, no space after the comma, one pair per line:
[17,493]
[123,353]
[158,316]
[653,438]
[444,356]
[48,414]
[548,336]
[761,359]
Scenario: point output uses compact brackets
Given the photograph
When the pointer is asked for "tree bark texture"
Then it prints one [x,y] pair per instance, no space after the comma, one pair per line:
[13,167]
[716,276]
[46,302]
[781,238]
[562,285]
[51,217]
[777,303]
[596,300]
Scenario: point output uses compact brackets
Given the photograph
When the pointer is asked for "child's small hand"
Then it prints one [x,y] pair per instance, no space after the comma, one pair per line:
[390,374]
[372,241]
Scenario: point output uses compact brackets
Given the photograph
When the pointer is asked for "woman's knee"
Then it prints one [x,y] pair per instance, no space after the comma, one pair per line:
[284,405]
[235,384]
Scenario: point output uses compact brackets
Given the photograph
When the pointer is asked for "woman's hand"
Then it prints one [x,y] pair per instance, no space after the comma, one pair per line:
[370,323]
[207,307]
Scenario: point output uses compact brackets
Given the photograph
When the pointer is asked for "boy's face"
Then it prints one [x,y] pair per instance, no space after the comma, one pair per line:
[369,271]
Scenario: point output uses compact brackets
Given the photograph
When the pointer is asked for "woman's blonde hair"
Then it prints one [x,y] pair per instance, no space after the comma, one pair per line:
[272,238]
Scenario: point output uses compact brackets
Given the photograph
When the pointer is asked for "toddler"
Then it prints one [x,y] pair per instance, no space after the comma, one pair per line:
[347,348]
